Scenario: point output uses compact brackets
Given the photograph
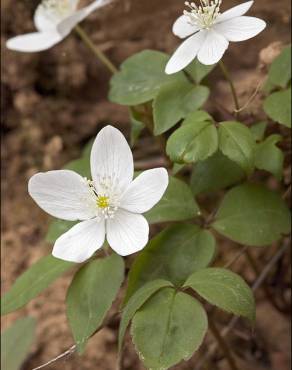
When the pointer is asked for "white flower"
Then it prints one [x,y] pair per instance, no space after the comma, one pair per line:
[210,32]
[109,206]
[54,20]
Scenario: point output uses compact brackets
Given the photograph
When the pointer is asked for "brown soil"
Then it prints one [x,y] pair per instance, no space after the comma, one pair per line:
[53,103]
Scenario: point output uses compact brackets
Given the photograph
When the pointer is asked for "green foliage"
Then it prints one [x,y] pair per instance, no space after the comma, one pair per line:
[269,157]
[215,173]
[258,130]
[199,71]
[174,101]
[253,215]
[280,70]
[173,255]
[16,342]
[32,282]
[91,294]
[237,143]
[136,301]
[140,78]
[137,125]
[57,228]
[278,107]
[177,204]
[168,328]
[224,289]
[193,141]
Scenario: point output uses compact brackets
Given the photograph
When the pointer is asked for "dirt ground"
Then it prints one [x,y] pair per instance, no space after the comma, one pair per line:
[55,101]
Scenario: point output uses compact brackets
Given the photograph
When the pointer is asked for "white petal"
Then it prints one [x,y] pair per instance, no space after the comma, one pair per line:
[213,48]
[67,24]
[111,158]
[236,11]
[183,28]
[42,21]
[81,241]
[185,53]
[240,28]
[63,194]
[33,42]
[127,232]
[145,191]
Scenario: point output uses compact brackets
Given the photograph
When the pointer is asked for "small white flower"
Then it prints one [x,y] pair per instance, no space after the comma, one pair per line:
[210,32]
[54,20]
[111,205]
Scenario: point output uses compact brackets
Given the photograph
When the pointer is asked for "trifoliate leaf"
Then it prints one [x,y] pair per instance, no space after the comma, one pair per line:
[91,294]
[224,289]
[168,328]
[253,215]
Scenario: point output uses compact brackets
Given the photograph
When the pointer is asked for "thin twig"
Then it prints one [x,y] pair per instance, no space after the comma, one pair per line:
[67,353]
[250,99]
[235,258]
[73,348]
[235,319]
[221,342]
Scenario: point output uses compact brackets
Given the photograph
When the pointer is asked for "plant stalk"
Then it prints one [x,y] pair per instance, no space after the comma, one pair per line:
[96,51]
[232,87]
[221,341]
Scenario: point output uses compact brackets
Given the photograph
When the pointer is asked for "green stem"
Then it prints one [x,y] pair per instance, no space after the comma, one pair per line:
[229,80]
[96,51]
[223,345]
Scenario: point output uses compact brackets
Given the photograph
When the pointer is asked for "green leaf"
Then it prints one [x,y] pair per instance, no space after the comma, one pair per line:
[136,301]
[169,328]
[197,116]
[81,166]
[207,178]
[269,157]
[199,71]
[192,142]
[140,78]
[175,101]
[137,126]
[253,215]
[177,204]
[280,70]
[258,130]
[224,289]
[16,342]
[57,228]
[278,107]
[32,282]
[237,143]
[91,294]
[173,255]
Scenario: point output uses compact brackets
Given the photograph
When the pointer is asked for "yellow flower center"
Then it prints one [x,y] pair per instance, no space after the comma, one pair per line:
[102,202]
[203,15]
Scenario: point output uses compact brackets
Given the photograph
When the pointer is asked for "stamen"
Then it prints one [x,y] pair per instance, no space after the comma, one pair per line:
[204,15]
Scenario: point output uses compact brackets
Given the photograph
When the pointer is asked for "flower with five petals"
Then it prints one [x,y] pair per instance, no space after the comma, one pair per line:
[54,20]
[209,32]
[110,206]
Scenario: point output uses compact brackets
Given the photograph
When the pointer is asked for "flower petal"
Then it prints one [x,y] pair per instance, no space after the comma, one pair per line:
[33,42]
[81,241]
[240,28]
[127,232]
[185,53]
[213,48]
[236,11]
[111,158]
[67,24]
[145,191]
[42,21]
[183,28]
[63,194]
